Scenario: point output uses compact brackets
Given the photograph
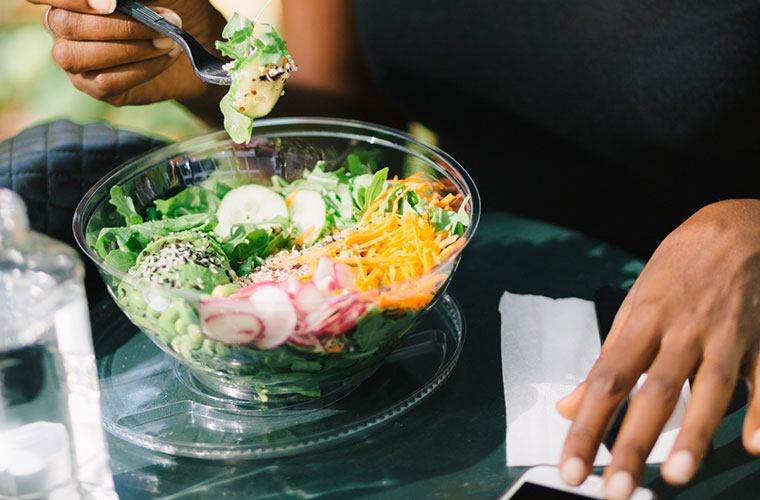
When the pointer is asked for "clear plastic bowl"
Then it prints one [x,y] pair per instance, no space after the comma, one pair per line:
[184,323]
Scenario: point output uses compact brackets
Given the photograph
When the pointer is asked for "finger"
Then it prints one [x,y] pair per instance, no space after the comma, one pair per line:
[568,406]
[84,6]
[82,57]
[713,387]
[71,25]
[648,412]
[606,386]
[751,431]
[110,84]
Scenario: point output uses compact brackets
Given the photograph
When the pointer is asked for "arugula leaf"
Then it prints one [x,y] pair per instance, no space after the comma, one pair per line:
[191,200]
[375,329]
[124,206]
[375,188]
[248,245]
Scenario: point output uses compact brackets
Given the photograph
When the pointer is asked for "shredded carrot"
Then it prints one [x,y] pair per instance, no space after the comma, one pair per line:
[392,254]
[411,294]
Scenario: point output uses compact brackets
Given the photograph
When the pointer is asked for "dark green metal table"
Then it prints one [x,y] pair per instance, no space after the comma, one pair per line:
[453,444]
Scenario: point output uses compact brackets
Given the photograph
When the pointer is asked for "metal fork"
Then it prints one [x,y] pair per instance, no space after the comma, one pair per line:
[208,67]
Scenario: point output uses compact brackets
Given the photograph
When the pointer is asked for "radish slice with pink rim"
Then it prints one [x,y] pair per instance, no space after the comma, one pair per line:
[230,321]
[345,276]
[246,291]
[276,311]
[308,299]
[324,275]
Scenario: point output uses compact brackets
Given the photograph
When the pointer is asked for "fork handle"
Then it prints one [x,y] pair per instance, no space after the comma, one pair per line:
[194,50]
[149,18]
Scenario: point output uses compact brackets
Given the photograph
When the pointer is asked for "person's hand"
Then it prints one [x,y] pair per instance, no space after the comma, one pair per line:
[118,60]
[693,311]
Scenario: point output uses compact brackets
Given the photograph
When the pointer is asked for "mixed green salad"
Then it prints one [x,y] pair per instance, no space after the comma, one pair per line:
[286,287]
[289,287]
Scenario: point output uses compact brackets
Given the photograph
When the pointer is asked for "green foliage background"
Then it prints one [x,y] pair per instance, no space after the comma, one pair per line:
[33,89]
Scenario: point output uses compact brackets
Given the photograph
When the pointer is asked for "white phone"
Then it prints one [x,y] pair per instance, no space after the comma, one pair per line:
[543,482]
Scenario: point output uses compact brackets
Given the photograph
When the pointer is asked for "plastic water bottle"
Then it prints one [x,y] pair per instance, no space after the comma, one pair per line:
[52,443]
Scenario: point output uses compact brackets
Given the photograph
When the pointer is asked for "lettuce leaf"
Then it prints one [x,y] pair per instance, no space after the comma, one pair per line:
[237,125]
[124,206]
[191,200]
[134,238]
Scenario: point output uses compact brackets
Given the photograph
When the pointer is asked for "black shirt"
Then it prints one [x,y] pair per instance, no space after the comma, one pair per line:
[619,118]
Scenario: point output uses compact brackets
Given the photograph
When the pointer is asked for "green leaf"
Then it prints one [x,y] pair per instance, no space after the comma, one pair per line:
[236,24]
[237,125]
[375,329]
[152,213]
[376,187]
[136,237]
[356,167]
[248,245]
[191,200]
[124,206]
[121,260]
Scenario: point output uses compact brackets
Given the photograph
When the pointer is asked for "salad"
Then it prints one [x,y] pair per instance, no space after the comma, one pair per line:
[260,64]
[288,287]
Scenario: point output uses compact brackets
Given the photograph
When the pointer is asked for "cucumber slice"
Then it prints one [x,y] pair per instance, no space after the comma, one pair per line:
[252,96]
[249,204]
[309,213]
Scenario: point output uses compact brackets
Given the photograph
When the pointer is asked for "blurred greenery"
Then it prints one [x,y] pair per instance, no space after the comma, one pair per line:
[33,89]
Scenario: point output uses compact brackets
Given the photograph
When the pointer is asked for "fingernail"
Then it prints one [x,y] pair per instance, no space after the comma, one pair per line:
[163,43]
[679,468]
[619,486]
[171,17]
[573,471]
[46,19]
[755,442]
[103,6]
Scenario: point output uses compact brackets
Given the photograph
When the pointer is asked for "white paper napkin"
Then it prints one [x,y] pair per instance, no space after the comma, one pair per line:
[548,347]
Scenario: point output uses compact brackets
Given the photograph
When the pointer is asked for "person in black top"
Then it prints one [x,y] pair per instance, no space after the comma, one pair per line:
[634,121]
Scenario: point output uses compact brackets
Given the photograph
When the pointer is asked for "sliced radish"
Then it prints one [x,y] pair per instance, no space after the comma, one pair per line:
[272,304]
[291,286]
[249,204]
[316,321]
[308,298]
[230,321]
[345,276]
[234,328]
[246,291]
[324,275]
[309,213]
[342,321]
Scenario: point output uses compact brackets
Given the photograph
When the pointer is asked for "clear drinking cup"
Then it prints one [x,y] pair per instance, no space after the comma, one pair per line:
[52,443]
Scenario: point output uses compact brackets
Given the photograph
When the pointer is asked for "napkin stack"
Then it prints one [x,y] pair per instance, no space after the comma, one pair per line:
[547,348]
